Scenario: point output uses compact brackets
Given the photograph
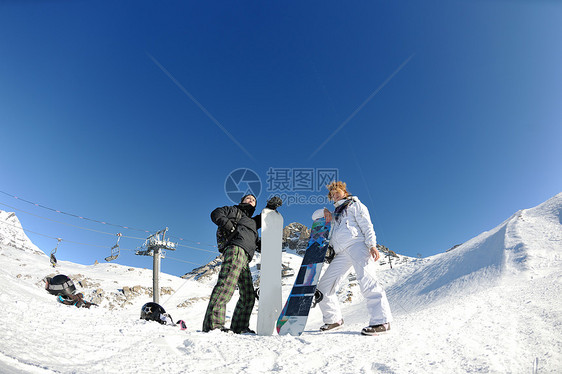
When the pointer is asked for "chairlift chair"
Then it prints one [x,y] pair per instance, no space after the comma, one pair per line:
[53,259]
[114,250]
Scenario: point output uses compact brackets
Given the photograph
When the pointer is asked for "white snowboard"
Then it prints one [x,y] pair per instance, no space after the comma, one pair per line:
[270,303]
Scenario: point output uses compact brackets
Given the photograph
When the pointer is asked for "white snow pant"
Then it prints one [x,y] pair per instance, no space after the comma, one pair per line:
[358,256]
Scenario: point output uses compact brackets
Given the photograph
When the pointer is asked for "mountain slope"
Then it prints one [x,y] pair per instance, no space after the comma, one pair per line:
[490,305]
[530,240]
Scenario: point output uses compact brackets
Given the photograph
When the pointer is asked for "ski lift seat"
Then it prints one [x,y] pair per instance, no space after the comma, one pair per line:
[114,250]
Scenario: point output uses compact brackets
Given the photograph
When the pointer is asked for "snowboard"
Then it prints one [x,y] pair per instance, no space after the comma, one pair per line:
[269,304]
[295,313]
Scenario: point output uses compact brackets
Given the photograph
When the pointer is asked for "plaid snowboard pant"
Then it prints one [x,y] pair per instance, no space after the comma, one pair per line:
[235,270]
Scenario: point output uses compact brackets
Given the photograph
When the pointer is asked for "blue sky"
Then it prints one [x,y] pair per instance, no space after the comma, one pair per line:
[443,117]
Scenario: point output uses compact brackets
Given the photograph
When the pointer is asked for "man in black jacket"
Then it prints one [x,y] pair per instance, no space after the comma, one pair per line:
[235,269]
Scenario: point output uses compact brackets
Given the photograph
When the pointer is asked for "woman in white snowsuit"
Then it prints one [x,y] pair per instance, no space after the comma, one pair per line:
[354,242]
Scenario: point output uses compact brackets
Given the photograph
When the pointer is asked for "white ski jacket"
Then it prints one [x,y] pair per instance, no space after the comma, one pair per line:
[354,225]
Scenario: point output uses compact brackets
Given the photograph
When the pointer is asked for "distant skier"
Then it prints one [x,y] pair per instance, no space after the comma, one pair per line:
[354,242]
[235,269]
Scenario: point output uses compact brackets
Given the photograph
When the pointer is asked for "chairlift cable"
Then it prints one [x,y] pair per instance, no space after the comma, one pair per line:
[199,249]
[59,240]
[69,224]
[192,241]
[74,215]
[98,231]
[177,259]
[98,221]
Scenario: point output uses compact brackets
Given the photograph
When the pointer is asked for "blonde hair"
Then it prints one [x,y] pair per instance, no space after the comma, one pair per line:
[337,185]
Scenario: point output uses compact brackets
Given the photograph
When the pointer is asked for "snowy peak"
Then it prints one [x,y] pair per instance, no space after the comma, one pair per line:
[295,237]
[528,236]
[530,240]
[12,234]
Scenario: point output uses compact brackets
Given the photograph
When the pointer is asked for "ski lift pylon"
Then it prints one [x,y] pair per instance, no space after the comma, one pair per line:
[53,259]
[114,250]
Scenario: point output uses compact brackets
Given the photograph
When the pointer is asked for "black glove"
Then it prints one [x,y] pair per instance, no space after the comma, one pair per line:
[228,227]
[274,203]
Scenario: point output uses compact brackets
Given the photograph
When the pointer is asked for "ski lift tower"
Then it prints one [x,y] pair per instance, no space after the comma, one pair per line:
[153,246]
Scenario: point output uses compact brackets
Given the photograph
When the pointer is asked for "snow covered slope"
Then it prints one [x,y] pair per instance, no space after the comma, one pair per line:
[528,243]
[491,305]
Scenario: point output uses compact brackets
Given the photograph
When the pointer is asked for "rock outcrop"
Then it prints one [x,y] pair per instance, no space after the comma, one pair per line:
[295,237]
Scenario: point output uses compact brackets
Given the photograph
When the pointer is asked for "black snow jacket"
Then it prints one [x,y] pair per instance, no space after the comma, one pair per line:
[246,235]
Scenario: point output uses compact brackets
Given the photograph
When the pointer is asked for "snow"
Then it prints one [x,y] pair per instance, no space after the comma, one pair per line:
[492,305]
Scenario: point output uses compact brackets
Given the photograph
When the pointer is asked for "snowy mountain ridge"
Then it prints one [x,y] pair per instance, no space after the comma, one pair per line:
[490,305]
[528,242]
[12,234]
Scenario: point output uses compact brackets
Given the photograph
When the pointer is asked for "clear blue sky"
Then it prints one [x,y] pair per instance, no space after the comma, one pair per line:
[443,117]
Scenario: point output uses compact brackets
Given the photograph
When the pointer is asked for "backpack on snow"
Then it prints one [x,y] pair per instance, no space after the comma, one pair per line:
[223,237]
